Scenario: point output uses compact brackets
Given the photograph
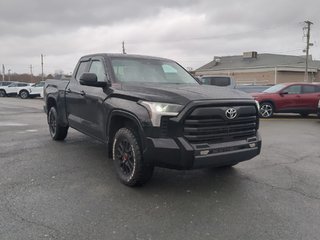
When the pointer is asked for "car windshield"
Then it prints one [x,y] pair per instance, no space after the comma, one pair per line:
[274,88]
[136,70]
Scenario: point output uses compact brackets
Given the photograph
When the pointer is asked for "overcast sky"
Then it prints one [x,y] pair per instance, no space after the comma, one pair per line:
[190,32]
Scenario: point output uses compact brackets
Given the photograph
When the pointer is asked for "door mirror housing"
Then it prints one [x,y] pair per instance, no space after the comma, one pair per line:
[284,93]
[91,79]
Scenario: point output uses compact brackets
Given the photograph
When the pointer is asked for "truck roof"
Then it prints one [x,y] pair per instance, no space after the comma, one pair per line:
[119,55]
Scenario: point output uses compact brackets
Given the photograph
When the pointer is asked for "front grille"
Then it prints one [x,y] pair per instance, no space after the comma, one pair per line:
[210,125]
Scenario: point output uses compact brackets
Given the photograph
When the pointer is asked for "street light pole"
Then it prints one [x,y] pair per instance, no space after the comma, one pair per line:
[9,74]
[42,78]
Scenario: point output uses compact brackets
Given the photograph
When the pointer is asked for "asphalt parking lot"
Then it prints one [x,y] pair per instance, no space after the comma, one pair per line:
[68,190]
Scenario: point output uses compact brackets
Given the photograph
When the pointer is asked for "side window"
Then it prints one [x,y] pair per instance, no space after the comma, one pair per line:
[81,69]
[294,89]
[309,89]
[98,68]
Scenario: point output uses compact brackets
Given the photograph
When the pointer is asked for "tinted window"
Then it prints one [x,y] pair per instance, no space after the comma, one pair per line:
[310,89]
[81,69]
[294,89]
[22,84]
[98,68]
[217,81]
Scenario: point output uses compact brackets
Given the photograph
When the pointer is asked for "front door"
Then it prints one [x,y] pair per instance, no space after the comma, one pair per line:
[290,99]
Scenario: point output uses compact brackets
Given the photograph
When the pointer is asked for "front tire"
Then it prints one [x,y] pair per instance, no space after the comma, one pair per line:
[129,164]
[266,110]
[57,132]
[24,94]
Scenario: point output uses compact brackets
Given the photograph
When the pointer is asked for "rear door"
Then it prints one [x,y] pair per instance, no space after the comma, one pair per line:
[75,100]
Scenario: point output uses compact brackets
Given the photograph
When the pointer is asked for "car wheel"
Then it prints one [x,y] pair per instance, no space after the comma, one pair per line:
[266,110]
[24,94]
[3,93]
[129,164]
[57,132]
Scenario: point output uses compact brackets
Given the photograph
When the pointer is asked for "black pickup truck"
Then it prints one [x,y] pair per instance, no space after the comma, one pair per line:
[151,112]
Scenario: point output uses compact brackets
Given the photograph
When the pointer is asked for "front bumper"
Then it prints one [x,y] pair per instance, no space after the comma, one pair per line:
[179,154]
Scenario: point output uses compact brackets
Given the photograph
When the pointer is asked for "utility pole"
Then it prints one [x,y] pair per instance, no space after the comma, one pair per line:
[306,74]
[31,73]
[3,72]
[42,78]
[9,74]
[123,48]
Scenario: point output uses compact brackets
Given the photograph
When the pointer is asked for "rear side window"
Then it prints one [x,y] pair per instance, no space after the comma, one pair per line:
[217,81]
[22,84]
[310,89]
[81,69]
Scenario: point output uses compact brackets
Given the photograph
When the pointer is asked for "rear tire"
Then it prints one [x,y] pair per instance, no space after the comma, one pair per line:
[24,94]
[3,93]
[57,132]
[266,110]
[129,164]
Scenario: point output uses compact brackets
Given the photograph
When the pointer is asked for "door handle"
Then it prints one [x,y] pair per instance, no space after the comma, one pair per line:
[82,93]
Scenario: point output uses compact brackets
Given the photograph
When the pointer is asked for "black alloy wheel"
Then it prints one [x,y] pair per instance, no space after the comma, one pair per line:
[129,164]
[57,132]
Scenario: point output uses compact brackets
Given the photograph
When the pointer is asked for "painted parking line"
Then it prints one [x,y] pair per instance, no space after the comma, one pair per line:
[10,124]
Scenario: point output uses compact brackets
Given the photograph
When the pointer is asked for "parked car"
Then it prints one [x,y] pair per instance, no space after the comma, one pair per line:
[220,81]
[318,111]
[11,90]
[151,112]
[31,91]
[252,88]
[299,98]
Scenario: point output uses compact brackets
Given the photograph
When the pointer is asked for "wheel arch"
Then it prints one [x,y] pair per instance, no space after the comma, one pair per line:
[119,119]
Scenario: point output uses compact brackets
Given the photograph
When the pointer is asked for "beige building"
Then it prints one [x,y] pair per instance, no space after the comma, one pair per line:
[262,69]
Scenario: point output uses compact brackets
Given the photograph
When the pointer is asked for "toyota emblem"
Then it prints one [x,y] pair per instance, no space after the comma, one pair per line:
[231,113]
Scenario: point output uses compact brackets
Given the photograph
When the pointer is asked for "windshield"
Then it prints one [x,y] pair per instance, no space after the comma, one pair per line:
[274,88]
[135,70]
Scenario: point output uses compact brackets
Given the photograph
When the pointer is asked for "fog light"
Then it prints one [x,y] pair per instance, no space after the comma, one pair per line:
[252,145]
[205,152]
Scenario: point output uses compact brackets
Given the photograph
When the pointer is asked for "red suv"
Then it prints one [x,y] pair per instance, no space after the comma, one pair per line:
[299,98]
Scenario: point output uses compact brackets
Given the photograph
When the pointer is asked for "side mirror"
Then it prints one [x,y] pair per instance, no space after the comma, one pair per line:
[283,93]
[91,79]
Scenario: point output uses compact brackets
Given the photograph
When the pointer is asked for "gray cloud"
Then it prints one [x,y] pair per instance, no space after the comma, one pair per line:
[191,32]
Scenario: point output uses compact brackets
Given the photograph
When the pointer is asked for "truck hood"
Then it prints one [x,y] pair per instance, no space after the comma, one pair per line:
[181,93]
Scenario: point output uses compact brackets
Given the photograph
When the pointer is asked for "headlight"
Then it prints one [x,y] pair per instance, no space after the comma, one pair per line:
[157,110]
[258,105]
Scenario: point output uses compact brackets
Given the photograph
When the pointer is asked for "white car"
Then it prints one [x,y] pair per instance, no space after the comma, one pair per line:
[11,90]
[35,90]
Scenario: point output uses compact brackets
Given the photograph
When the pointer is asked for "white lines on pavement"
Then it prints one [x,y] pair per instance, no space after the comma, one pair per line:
[32,130]
[10,124]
